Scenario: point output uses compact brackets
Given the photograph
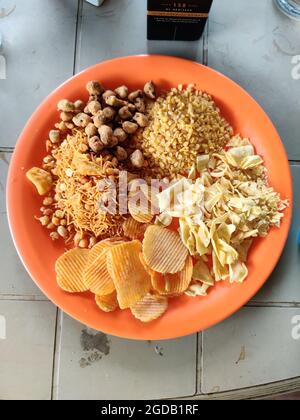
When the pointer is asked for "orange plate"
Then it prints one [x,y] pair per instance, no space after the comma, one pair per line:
[185,315]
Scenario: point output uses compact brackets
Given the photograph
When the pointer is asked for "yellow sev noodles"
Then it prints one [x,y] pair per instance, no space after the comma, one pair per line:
[77,194]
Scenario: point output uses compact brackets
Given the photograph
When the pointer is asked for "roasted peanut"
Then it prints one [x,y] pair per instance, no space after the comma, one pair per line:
[94,107]
[82,120]
[94,88]
[99,119]
[137,159]
[54,136]
[120,134]
[141,119]
[54,236]
[107,94]
[79,106]
[92,241]
[65,106]
[106,134]
[115,102]
[121,153]
[133,95]
[129,127]
[66,116]
[48,201]
[109,113]
[62,231]
[84,243]
[149,90]
[96,144]
[91,130]
[124,113]
[140,105]
[122,92]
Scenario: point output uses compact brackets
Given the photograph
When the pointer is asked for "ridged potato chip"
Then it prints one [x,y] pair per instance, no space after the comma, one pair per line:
[140,208]
[70,269]
[163,250]
[107,303]
[173,284]
[105,244]
[97,277]
[130,278]
[149,308]
[146,267]
[134,229]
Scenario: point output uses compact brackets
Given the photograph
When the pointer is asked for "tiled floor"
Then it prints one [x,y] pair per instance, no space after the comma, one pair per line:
[45,354]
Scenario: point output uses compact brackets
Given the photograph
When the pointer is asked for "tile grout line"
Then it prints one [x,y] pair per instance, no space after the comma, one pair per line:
[56,355]
[23,298]
[282,305]
[5,149]
[78,35]
[197,363]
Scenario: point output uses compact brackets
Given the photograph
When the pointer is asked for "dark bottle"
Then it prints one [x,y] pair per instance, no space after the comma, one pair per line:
[177,20]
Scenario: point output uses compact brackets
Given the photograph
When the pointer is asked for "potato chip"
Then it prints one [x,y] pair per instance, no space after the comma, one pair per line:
[134,229]
[201,273]
[97,277]
[150,308]
[100,246]
[107,303]
[173,284]
[140,208]
[146,267]
[163,250]
[130,278]
[41,179]
[70,268]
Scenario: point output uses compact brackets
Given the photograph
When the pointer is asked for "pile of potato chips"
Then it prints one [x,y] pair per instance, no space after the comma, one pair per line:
[134,275]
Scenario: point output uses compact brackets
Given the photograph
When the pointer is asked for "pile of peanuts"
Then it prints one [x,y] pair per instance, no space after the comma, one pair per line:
[109,119]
